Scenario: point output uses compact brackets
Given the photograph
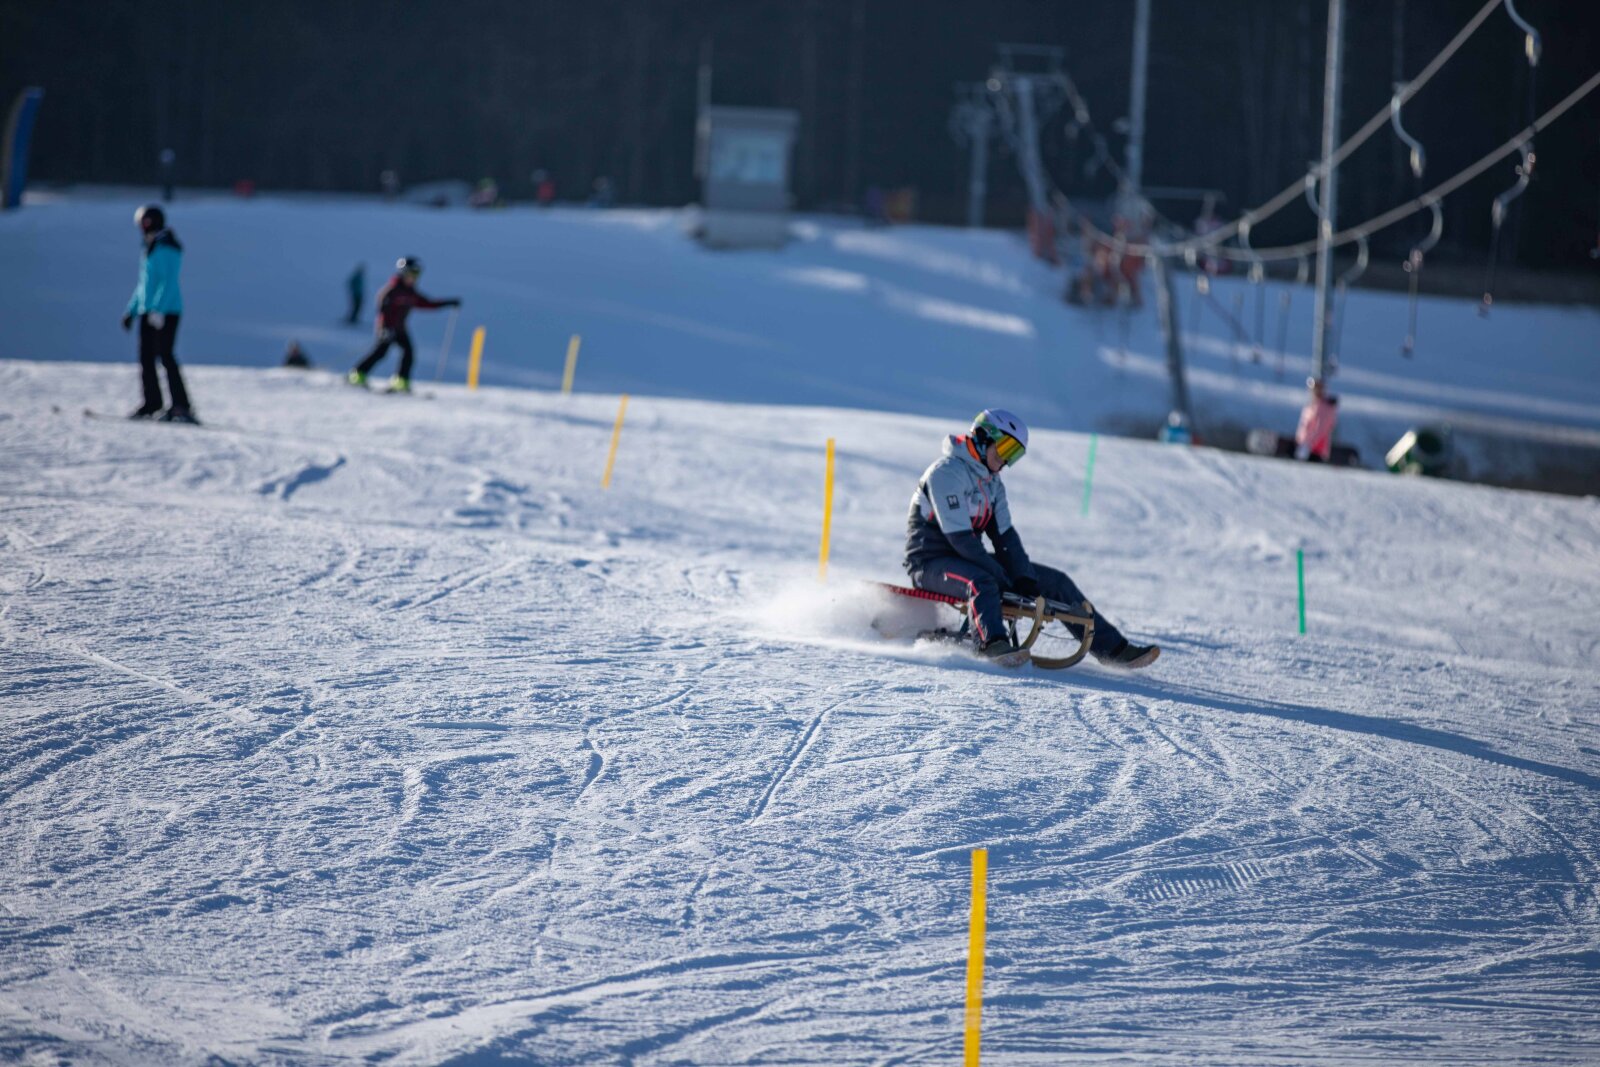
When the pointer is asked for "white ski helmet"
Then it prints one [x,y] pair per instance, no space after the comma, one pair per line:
[994,426]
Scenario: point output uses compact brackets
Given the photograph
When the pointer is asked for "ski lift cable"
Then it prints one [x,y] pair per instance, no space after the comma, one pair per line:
[1212,243]
[1410,207]
[1277,203]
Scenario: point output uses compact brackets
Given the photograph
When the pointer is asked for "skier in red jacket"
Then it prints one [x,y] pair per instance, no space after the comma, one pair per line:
[395,301]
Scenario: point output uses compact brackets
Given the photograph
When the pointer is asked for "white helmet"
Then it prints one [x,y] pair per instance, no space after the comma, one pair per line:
[994,426]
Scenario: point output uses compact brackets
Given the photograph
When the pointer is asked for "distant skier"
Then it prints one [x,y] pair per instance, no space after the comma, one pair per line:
[544,188]
[157,305]
[959,500]
[395,301]
[356,286]
[1313,438]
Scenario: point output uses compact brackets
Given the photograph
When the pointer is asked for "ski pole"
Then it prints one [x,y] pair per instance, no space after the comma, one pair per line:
[444,349]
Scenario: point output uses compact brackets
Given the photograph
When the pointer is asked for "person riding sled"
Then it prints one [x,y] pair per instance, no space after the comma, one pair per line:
[395,301]
[959,500]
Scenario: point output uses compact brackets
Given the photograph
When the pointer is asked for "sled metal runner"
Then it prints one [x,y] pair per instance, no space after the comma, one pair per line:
[1035,614]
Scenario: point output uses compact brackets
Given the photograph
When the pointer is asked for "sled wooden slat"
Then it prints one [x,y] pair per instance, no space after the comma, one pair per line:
[1051,663]
[1016,609]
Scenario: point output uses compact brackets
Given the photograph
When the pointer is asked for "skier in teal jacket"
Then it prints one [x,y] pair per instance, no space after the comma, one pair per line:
[156,305]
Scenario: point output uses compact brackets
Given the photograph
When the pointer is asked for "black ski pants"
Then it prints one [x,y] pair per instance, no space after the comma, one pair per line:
[386,338]
[155,346]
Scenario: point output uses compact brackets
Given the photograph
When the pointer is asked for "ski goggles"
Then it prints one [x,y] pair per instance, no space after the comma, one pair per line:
[1009,448]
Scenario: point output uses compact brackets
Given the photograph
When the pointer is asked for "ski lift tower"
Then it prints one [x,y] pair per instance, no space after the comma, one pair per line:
[1026,87]
[972,122]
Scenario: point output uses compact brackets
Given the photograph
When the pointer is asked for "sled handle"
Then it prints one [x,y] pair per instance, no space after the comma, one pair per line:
[1038,622]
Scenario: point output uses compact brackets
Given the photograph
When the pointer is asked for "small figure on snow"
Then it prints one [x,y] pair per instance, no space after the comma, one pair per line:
[156,306]
[544,187]
[1313,438]
[961,499]
[356,287]
[1176,430]
[169,166]
[487,194]
[395,301]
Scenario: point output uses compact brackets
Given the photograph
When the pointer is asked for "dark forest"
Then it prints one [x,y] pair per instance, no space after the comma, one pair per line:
[297,95]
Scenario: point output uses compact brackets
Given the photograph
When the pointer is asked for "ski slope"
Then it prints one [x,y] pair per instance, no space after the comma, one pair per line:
[910,319]
[353,728]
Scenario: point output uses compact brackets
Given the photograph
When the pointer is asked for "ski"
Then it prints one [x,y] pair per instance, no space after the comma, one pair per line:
[90,413]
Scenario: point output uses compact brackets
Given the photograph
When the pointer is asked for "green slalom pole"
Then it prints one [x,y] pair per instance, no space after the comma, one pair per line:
[1300,569]
[1088,473]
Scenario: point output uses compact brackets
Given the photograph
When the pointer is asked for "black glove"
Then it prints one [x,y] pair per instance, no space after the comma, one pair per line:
[1028,587]
[127,321]
[453,302]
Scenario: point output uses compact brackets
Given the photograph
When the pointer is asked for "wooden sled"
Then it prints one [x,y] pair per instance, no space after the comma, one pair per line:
[1026,620]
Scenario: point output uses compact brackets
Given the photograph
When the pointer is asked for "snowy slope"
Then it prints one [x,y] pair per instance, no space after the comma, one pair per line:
[363,729]
[913,319]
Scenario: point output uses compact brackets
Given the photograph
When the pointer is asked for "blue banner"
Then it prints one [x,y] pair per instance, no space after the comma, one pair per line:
[14,151]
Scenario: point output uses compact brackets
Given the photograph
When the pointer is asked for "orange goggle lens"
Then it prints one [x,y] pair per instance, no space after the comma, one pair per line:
[1009,448]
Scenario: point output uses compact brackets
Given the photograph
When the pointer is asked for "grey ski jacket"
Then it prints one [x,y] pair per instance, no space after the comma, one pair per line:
[956,503]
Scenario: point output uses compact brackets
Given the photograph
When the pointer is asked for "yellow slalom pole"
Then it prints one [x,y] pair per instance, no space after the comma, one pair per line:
[572,364]
[477,358]
[616,435]
[827,514]
[980,899]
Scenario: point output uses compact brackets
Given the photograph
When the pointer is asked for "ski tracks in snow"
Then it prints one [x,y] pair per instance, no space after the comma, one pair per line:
[441,753]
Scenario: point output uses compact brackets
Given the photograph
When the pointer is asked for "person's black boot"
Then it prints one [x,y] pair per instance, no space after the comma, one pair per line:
[179,415]
[1001,650]
[144,411]
[1131,656]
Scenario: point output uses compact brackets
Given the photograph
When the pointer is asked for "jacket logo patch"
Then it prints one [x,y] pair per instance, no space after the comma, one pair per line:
[953,501]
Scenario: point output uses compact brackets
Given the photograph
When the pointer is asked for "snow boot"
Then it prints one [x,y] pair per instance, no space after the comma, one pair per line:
[398,384]
[1001,650]
[179,415]
[144,412]
[356,378]
[1131,656]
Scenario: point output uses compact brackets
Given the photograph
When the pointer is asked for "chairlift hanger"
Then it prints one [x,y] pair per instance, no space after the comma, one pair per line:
[1497,218]
[1594,253]
[1532,48]
[1413,267]
[1418,157]
[1257,274]
[1359,267]
[1302,271]
[1313,194]
[1342,295]
[1532,44]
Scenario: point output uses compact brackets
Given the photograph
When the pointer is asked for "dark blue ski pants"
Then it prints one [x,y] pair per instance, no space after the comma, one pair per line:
[957,577]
